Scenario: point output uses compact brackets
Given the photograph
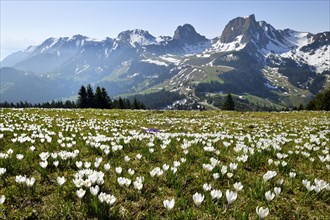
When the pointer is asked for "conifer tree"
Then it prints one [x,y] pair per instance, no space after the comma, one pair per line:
[108,103]
[99,99]
[136,104]
[127,104]
[90,97]
[82,98]
[229,103]
[121,104]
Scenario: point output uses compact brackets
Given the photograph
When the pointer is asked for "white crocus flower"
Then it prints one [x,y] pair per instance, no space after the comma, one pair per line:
[277,190]
[30,182]
[233,166]
[79,164]
[43,164]
[230,175]
[19,156]
[131,171]
[61,180]
[216,176]
[216,194]
[118,170]
[2,171]
[207,187]
[107,167]
[2,199]
[292,174]
[56,163]
[262,212]
[198,198]
[165,167]
[94,190]
[169,204]
[238,186]
[270,174]
[80,193]
[224,170]
[231,197]
[138,183]
[269,196]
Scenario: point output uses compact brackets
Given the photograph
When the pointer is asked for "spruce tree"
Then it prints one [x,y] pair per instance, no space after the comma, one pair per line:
[82,98]
[229,103]
[108,103]
[99,99]
[90,97]
[136,104]
[121,104]
[127,104]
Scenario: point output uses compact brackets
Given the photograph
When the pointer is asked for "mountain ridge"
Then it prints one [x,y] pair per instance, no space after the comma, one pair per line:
[136,61]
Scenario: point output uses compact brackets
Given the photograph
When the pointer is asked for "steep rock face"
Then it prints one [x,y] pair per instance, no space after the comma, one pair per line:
[184,41]
[188,35]
[268,44]
[261,37]
[245,27]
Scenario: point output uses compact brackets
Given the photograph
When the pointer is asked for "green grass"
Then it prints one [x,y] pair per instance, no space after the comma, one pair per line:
[295,96]
[187,134]
[213,73]
[191,76]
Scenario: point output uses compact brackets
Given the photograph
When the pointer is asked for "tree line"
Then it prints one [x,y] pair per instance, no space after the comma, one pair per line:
[52,104]
[86,99]
[100,99]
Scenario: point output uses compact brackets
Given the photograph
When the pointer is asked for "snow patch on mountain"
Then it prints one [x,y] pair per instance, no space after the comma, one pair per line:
[292,40]
[137,38]
[30,49]
[299,39]
[54,42]
[170,58]
[161,39]
[195,49]
[80,70]
[157,62]
[236,45]
[319,58]
[140,39]
[50,43]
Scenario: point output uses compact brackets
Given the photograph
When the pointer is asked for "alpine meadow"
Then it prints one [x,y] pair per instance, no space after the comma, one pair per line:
[149,110]
[143,164]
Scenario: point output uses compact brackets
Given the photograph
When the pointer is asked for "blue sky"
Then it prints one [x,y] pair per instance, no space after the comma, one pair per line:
[25,23]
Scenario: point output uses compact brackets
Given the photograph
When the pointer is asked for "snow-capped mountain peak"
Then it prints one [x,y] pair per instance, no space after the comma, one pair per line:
[136,37]
[263,36]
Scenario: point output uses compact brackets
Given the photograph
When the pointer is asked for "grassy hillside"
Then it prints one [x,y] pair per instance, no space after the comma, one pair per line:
[114,164]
